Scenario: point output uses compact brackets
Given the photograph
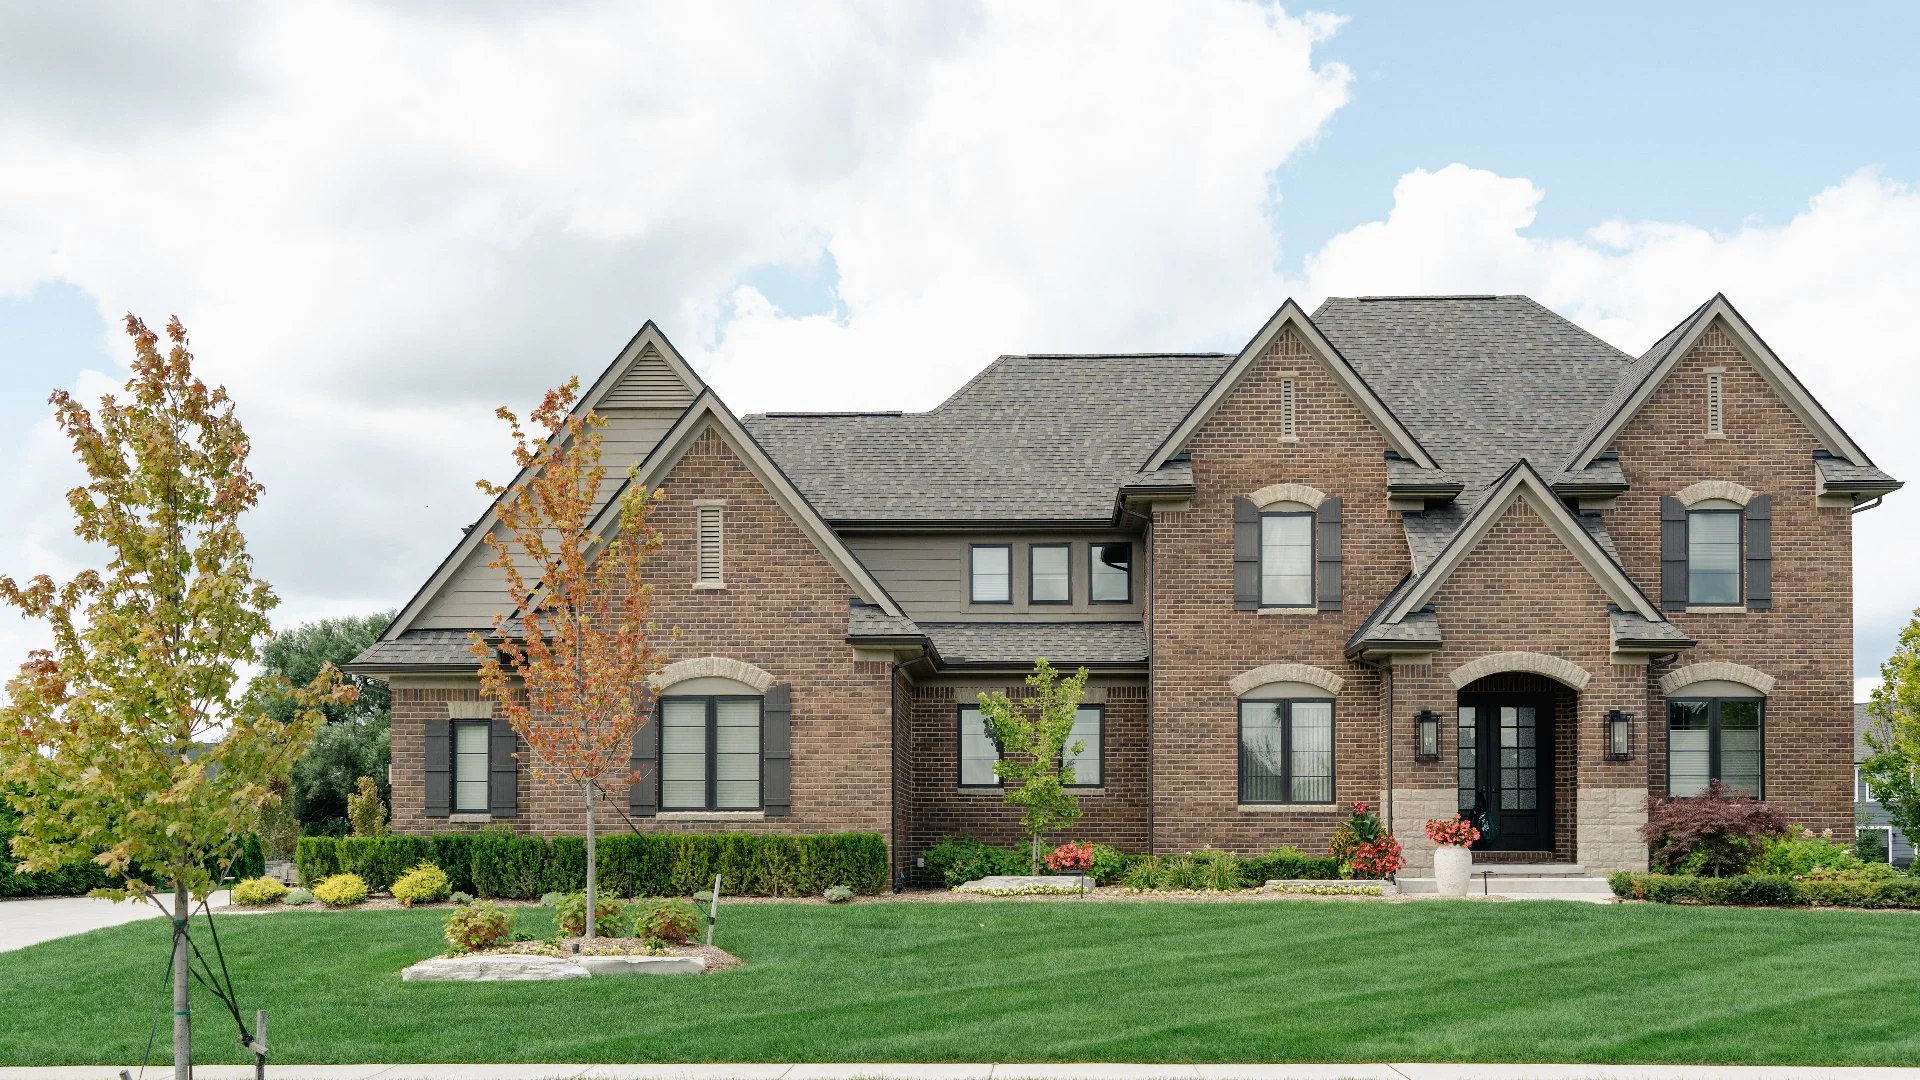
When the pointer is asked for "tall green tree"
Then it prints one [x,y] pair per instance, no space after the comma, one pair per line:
[1032,734]
[125,742]
[1893,769]
[357,740]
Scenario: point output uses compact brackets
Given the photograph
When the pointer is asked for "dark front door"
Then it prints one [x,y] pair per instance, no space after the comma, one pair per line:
[1506,769]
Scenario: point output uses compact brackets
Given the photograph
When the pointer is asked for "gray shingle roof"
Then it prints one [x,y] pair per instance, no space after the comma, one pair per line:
[1061,644]
[1031,438]
[1842,475]
[1629,380]
[865,620]
[1631,628]
[1481,381]
[419,648]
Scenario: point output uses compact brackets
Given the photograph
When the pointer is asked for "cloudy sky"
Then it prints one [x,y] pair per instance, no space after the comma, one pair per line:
[380,222]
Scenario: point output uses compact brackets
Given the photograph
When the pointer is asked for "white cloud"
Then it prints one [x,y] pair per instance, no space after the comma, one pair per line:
[381,222]
[1831,291]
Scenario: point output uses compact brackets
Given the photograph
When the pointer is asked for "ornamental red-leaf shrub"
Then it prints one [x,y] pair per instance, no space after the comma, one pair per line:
[479,925]
[672,921]
[1070,858]
[1717,833]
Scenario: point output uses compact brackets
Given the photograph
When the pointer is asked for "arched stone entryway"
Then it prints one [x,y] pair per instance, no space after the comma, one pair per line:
[1515,744]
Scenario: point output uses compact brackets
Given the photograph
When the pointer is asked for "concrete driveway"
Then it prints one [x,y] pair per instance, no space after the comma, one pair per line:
[29,922]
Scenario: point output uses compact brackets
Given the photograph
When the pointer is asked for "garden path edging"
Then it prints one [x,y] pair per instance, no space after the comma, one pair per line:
[531,967]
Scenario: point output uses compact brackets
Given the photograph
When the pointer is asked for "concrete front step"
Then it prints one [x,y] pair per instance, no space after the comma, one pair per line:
[1538,869]
[1521,888]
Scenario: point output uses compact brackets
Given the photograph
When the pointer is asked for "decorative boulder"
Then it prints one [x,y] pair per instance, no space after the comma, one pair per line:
[494,967]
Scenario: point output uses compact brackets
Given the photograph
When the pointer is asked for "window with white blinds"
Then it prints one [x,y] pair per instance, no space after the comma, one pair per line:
[708,564]
[710,753]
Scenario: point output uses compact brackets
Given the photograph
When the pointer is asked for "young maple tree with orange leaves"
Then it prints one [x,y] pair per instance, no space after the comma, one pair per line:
[573,659]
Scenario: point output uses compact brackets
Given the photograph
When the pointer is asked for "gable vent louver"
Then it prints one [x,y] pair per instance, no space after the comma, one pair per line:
[1716,406]
[710,537]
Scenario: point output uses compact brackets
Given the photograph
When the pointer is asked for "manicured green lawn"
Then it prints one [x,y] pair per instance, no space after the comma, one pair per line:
[1043,981]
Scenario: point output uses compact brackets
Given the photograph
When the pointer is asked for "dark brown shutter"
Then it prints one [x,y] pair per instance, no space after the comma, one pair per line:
[439,766]
[1760,553]
[1327,556]
[1246,554]
[776,751]
[643,794]
[1673,554]
[503,771]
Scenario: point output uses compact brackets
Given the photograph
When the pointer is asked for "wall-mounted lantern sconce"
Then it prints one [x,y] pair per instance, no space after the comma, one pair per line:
[1426,728]
[1619,735]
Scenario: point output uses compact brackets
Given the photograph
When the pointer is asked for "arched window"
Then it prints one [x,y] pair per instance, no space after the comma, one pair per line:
[1286,744]
[710,744]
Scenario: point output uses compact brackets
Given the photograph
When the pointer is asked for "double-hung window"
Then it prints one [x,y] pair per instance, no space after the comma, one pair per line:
[1286,559]
[1286,751]
[979,750]
[1713,558]
[1110,576]
[1050,573]
[1089,734]
[990,571]
[710,753]
[1714,739]
[470,766]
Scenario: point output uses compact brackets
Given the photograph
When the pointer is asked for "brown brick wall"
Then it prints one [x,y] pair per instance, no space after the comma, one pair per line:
[1116,814]
[784,610]
[1806,640]
[1200,642]
[1521,590]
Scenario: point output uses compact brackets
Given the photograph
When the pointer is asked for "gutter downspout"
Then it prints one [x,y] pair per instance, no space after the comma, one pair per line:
[1865,506]
[1153,755]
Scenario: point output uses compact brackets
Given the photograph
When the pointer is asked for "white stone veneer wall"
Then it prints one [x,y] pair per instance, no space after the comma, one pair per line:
[1411,809]
[1607,829]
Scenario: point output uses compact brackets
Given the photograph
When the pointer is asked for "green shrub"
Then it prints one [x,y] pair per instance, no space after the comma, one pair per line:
[1110,863]
[509,867]
[959,859]
[675,922]
[838,894]
[453,852]
[379,860]
[482,924]
[316,858]
[1803,853]
[1897,892]
[461,898]
[341,890]
[424,884]
[567,865]
[258,891]
[250,861]
[570,914]
[1288,864]
[1142,876]
[298,897]
[1772,890]
[1623,886]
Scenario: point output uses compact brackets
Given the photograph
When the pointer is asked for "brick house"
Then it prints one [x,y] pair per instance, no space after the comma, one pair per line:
[1437,553]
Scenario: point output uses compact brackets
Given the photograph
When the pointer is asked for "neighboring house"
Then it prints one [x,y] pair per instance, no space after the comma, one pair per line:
[1442,553]
[1871,823]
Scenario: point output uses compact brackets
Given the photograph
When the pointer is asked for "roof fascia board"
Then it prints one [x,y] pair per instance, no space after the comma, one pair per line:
[477,533]
[1759,355]
[1522,481]
[1291,314]
[708,408]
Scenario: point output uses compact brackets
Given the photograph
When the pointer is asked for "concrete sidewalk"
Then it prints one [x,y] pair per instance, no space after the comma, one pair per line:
[1397,1071]
[29,922]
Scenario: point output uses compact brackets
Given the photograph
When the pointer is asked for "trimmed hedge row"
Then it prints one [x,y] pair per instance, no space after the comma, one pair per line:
[1771,890]
[960,859]
[508,867]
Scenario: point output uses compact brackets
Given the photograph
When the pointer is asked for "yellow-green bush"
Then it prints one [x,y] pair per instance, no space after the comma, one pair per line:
[424,884]
[258,891]
[341,890]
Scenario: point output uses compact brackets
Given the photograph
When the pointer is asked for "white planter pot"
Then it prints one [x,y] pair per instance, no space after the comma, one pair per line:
[1452,865]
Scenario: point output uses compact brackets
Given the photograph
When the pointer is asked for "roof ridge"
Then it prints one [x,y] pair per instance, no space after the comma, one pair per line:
[1584,332]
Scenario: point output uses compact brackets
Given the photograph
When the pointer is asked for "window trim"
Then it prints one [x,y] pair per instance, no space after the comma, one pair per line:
[713,758]
[1313,560]
[972,590]
[453,768]
[959,757]
[1093,550]
[1286,751]
[1032,597]
[1713,742]
[1739,558]
[1099,747]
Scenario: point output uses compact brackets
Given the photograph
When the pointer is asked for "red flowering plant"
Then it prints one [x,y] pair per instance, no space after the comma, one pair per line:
[1364,846]
[1452,832]
[1071,858]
